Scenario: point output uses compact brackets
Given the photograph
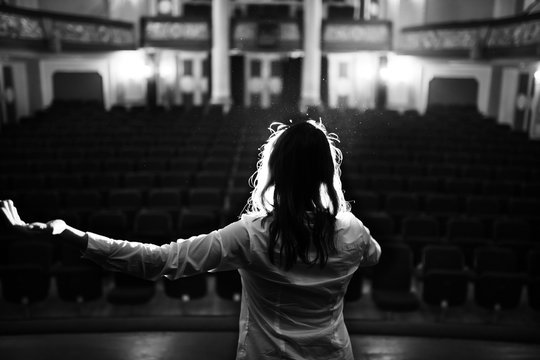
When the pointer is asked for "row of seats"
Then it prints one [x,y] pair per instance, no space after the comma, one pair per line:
[445,278]
[144,180]
[132,151]
[433,168]
[442,279]
[200,159]
[168,219]
[374,191]
[27,279]
[430,184]
[397,205]
[403,203]
[382,224]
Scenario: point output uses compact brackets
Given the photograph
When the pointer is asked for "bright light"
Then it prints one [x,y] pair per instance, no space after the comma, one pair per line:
[296,54]
[385,73]
[537,75]
[147,71]
[132,66]
[400,69]
[365,68]
[164,7]
[167,69]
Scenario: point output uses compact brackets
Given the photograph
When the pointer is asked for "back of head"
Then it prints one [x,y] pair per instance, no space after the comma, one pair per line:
[297,183]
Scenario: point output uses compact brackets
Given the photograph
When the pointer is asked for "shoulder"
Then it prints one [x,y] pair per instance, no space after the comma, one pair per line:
[255,222]
[345,220]
[350,228]
[246,228]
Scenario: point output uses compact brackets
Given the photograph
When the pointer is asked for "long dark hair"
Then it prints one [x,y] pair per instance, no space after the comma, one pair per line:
[297,183]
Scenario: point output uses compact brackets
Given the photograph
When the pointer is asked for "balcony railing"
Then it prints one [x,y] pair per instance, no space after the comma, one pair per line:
[350,35]
[268,35]
[176,32]
[49,31]
[506,37]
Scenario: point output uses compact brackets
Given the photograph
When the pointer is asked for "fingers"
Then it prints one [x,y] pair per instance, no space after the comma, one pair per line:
[11,213]
[7,211]
[37,226]
[16,213]
[7,214]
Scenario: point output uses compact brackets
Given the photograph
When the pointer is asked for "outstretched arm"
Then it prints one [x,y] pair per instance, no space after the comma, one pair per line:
[54,227]
[224,249]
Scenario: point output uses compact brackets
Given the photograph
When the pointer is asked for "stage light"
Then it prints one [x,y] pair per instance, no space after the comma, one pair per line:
[537,75]
[132,66]
[365,68]
[296,54]
[385,73]
[147,70]
[167,69]
[400,69]
[164,7]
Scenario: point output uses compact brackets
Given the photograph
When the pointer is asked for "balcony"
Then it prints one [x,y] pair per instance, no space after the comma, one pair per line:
[55,32]
[516,37]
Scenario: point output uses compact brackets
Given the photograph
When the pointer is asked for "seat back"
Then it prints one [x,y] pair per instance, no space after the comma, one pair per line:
[395,269]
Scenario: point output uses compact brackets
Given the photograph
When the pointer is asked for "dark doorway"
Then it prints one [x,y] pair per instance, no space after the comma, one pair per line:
[453,91]
[381,87]
[520,120]
[10,102]
[78,86]
[237,79]
[292,75]
[324,80]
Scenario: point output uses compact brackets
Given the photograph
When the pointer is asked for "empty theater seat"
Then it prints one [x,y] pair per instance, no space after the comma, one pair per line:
[129,290]
[498,284]
[229,285]
[187,288]
[153,226]
[419,231]
[77,280]
[392,280]
[444,276]
[27,278]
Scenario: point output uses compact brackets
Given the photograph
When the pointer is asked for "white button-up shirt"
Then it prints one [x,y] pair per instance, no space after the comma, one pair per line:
[285,314]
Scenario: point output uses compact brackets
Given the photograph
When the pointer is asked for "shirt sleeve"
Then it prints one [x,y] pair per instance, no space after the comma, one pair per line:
[224,249]
[371,250]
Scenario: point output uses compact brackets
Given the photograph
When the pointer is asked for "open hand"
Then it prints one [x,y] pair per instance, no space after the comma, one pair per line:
[10,211]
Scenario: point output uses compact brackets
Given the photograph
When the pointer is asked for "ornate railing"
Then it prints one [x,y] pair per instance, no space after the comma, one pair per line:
[514,36]
[177,33]
[49,31]
[356,35]
[268,35]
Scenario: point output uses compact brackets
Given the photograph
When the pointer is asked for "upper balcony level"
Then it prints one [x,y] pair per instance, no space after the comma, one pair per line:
[509,37]
[56,32]
[273,26]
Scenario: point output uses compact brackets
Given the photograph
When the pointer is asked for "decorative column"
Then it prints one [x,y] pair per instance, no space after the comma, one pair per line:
[221,78]
[311,67]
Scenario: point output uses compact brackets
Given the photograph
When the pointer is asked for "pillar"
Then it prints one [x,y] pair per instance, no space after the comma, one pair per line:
[311,67]
[221,78]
